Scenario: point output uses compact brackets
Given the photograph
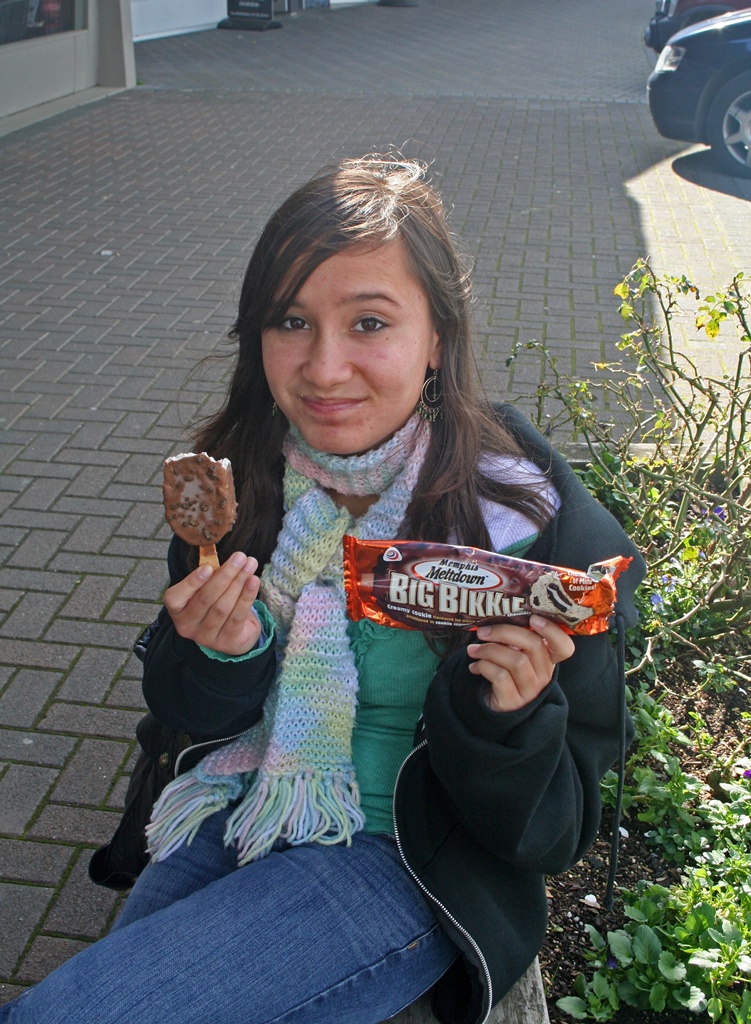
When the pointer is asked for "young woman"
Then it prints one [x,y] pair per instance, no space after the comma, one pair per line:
[376,809]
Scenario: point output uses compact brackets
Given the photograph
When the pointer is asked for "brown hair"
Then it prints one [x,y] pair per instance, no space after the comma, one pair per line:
[362,202]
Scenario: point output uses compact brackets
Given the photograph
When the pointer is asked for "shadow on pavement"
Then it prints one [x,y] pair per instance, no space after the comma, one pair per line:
[699,168]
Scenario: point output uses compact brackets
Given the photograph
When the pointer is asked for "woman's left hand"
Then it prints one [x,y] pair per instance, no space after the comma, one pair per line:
[518,662]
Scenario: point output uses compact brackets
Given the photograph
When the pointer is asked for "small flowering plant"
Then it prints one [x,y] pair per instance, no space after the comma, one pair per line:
[669,450]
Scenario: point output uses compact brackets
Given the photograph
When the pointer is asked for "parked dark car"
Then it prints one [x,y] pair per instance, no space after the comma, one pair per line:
[673,15]
[700,89]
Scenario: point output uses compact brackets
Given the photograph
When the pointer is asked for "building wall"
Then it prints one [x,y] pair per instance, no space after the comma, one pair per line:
[50,67]
[155,18]
[36,71]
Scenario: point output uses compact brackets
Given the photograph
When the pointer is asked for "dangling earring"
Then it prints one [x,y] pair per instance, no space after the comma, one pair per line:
[274,409]
[430,406]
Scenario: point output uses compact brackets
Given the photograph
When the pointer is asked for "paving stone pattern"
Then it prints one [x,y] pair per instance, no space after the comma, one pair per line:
[125,226]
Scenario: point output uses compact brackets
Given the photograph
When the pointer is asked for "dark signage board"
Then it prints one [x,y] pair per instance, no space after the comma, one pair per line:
[253,14]
[250,9]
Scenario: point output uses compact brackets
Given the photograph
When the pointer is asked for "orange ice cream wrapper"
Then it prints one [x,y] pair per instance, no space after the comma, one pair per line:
[420,585]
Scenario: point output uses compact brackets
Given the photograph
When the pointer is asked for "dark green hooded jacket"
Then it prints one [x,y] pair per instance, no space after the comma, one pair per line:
[489,803]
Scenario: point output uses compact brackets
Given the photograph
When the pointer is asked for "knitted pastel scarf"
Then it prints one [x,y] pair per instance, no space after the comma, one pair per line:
[291,776]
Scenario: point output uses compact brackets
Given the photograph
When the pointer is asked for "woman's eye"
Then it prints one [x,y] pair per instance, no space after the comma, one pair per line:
[294,323]
[368,324]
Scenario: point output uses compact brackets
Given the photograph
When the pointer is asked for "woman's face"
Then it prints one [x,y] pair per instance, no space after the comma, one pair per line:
[347,364]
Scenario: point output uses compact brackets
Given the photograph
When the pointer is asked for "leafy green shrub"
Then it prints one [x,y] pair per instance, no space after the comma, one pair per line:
[669,453]
[688,946]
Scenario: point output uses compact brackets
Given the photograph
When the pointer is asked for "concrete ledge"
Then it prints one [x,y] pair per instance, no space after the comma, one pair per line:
[523,1004]
[14,122]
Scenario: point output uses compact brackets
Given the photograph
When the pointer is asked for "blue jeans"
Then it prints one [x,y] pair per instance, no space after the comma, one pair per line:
[308,935]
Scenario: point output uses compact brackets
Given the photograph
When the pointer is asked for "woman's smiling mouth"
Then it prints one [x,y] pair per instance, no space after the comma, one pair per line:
[328,406]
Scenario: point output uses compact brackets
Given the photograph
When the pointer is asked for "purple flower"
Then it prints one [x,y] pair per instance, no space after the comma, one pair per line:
[719,512]
[747,774]
[657,601]
[612,962]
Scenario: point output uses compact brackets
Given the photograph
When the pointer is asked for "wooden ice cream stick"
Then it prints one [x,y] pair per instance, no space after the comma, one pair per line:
[207,555]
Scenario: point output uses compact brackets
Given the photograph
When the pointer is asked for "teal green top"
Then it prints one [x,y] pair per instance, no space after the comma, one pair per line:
[395,667]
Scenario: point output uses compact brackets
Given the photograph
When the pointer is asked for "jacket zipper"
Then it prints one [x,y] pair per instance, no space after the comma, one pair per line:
[211,743]
[460,928]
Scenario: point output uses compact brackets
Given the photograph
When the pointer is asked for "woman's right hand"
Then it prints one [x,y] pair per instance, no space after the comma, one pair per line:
[214,607]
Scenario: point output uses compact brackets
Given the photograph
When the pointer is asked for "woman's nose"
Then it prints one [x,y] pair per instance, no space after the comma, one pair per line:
[327,364]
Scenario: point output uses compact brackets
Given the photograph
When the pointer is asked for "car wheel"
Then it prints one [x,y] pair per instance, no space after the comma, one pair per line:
[729,126]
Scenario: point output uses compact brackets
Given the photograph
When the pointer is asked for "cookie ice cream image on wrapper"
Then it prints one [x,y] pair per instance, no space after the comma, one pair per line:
[199,501]
[419,585]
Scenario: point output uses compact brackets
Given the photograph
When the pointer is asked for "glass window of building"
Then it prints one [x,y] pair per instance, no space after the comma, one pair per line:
[27,19]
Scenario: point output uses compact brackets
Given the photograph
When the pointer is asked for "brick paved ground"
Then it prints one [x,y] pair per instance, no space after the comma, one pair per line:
[125,225]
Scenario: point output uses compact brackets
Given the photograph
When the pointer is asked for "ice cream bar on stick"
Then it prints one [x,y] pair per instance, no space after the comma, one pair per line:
[199,501]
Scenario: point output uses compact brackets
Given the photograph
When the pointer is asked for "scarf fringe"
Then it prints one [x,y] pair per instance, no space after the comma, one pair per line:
[321,806]
[181,810]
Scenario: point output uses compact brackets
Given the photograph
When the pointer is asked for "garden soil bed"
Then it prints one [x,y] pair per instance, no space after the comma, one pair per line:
[562,956]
